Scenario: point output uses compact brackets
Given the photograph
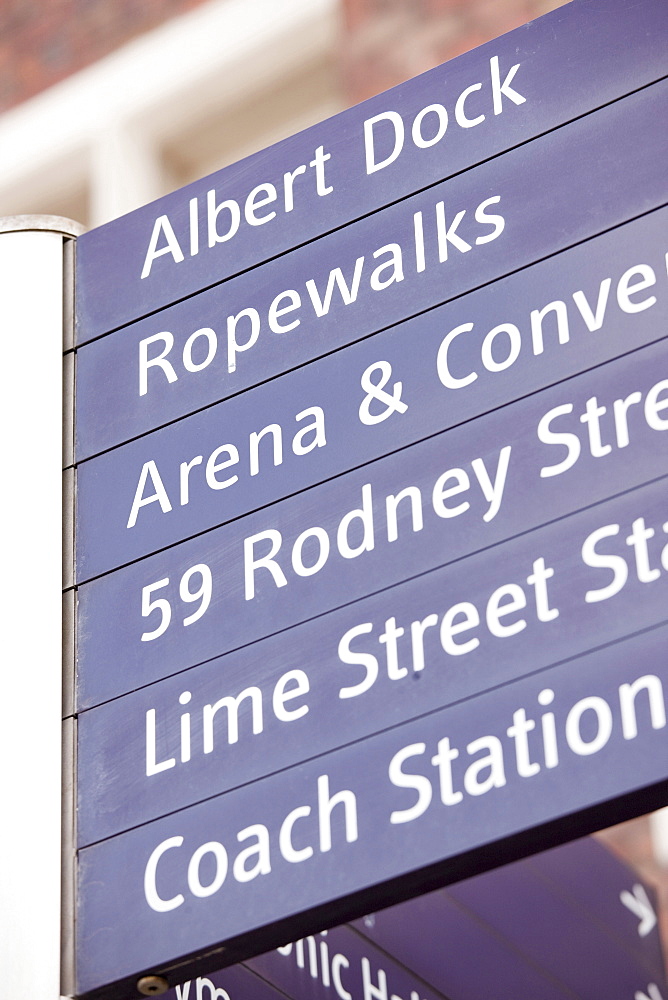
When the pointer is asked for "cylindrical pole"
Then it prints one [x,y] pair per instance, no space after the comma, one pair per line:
[35,308]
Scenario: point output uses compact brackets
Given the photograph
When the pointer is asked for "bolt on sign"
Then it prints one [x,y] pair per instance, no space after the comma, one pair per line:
[371,528]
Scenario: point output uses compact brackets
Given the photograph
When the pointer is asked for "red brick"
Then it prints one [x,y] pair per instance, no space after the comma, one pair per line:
[50,41]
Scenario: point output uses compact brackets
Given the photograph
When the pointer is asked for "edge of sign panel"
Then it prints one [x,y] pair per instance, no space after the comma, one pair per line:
[598,52]
[596,781]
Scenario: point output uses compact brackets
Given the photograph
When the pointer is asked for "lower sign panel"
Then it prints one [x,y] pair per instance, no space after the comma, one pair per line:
[524,930]
[416,803]
[486,936]
[370,972]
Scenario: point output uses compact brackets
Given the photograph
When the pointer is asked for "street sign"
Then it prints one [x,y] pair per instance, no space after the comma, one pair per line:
[409,257]
[341,961]
[434,503]
[558,912]
[371,542]
[370,974]
[569,63]
[344,676]
[418,802]
[565,941]
[184,480]
[610,893]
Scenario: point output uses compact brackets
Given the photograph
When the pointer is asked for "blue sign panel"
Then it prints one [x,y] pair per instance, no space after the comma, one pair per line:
[565,934]
[346,962]
[183,481]
[444,637]
[392,265]
[453,494]
[369,973]
[377,621]
[406,803]
[473,939]
[532,80]
[610,893]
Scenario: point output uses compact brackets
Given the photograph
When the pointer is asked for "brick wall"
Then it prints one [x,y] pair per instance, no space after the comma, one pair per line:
[389,41]
[44,41]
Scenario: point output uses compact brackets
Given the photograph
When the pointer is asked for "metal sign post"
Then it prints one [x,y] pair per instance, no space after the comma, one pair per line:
[36,278]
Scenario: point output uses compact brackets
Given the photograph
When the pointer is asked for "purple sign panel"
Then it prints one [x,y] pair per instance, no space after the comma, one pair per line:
[373,625]
[457,941]
[403,260]
[528,82]
[562,938]
[608,892]
[584,581]
[181,481]
[561,911]
[340,832]
[565,934]
[340,961]
[454,494]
